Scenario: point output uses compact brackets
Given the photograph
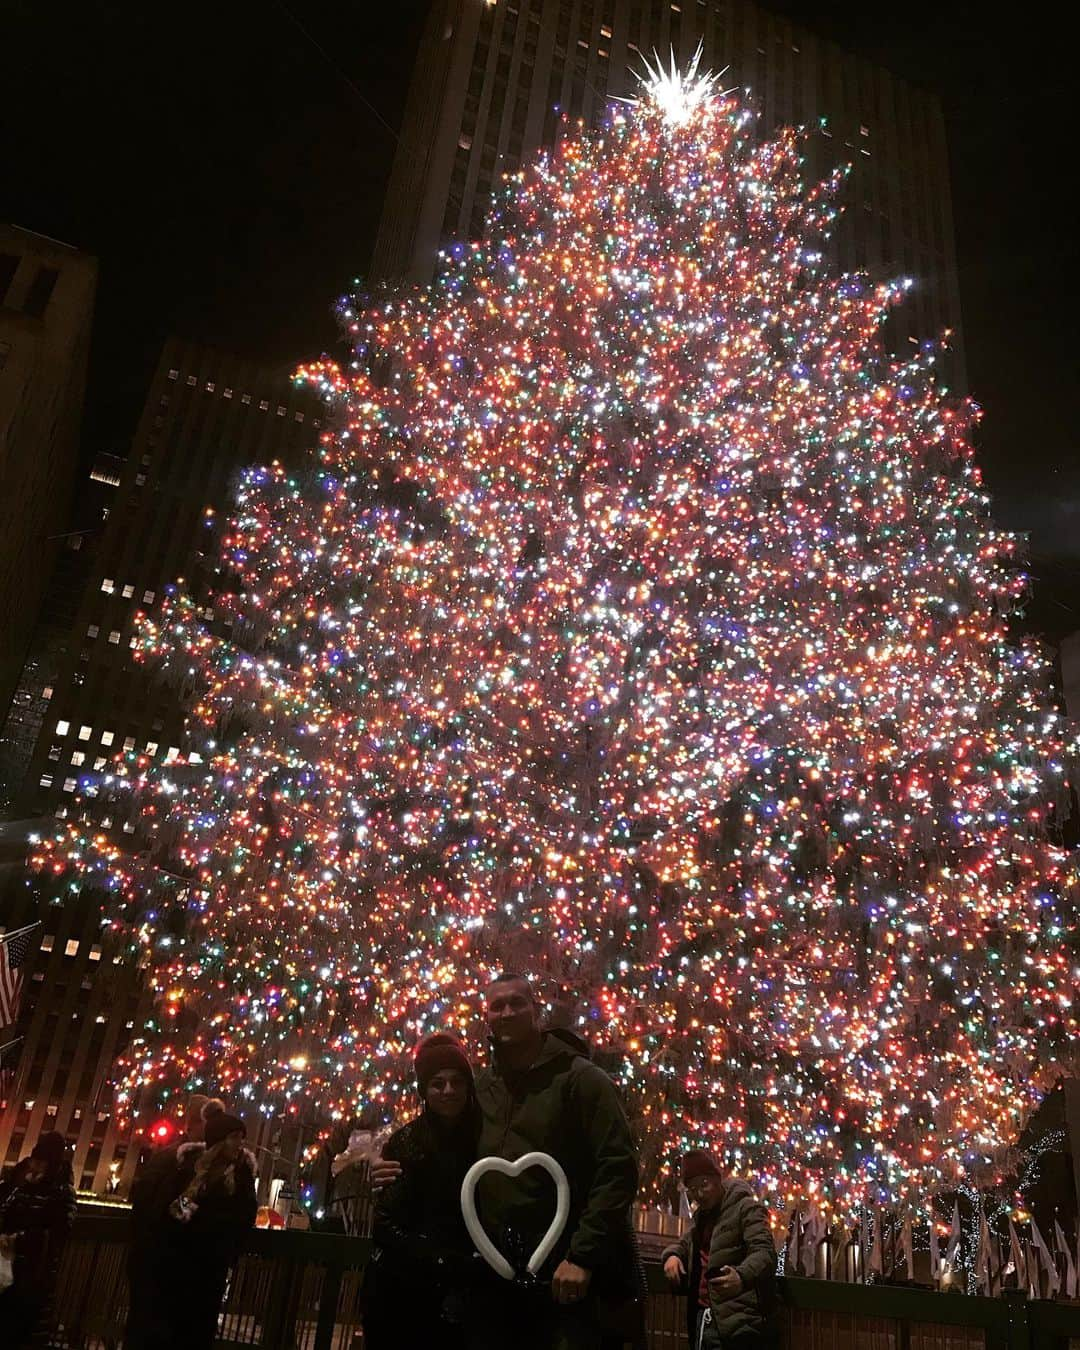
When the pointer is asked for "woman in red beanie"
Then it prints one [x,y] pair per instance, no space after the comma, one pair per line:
[423,1263]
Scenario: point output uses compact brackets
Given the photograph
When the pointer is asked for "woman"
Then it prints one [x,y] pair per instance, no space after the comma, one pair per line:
[37,1208]
[423,1262]
[202,1206]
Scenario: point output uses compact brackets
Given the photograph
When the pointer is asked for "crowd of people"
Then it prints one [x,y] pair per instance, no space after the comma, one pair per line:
[425,1283]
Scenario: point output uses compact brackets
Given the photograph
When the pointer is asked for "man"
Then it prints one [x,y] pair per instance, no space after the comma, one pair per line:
[543,1094]
[726,1264]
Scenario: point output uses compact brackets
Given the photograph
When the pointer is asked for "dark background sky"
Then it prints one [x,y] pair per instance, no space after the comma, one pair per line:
[226,163]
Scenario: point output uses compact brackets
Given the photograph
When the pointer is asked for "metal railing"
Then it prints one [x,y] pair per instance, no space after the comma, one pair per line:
[301,1291]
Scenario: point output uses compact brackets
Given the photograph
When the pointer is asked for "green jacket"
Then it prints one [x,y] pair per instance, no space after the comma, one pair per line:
[741,1238]
[568,1107]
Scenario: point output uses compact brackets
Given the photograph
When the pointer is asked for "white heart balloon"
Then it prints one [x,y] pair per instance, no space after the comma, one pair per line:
[484,1244]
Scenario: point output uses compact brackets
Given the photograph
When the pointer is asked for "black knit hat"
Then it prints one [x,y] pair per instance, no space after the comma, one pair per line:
[436,1052]
[221,1125]
[51,1149]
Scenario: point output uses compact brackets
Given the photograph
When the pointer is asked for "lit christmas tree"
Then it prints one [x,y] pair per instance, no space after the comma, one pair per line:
[643,625]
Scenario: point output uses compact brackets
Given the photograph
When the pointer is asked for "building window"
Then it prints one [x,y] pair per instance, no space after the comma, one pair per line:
[173,374]
[63,727]
[71,947]
[99,764]
[148,597]
[151,748]
[85,733]
[40,292]
[129,742]
[45,780]
[264,404]
[106,738]
[108,585]
[210,386]
[92,630]
[298,417]
[114,637]
[47,692]
[245,398]
[78,758]
[191,381]
[227,393]
[140,480]
[69,784]
[128,591]
[54,753]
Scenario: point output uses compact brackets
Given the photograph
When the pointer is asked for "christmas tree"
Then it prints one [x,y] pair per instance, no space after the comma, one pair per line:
[642,624]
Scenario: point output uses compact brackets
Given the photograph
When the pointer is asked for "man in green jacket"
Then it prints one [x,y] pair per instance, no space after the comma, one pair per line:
[726,1264]
[543,1094]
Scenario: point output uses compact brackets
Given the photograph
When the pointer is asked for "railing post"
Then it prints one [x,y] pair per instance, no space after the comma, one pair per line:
[1017,1330]
[328,1304]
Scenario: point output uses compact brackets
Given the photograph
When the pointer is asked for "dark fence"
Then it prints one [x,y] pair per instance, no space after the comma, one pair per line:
[301,1291]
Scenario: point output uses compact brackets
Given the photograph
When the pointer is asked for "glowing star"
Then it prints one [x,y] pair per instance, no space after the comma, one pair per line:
[678,96]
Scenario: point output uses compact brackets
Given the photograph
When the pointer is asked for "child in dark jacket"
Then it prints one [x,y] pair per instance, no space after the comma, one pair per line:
[726,1264]
[192,1221]
[37,1208]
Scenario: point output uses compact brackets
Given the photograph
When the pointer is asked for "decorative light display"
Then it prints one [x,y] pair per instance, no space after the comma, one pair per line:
[642,624]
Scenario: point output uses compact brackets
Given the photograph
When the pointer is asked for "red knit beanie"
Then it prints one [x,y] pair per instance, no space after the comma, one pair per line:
[699,1163]
[437,1052]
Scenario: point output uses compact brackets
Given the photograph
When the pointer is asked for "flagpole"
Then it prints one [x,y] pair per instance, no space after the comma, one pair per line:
[8,937]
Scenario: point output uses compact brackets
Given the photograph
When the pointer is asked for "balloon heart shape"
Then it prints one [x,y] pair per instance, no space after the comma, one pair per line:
[484,1244]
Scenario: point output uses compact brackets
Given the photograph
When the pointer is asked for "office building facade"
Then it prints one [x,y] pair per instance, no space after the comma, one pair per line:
[207,415]
[46,308]
[494,80]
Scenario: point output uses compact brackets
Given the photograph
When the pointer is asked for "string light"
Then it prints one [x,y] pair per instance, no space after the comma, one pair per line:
[641,624]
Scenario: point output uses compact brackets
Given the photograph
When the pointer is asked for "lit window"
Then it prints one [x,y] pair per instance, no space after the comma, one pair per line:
[54,752]
[69,784]
[606,32]
[107,738]
[171,754]
[133,642]
[191,381]
[245,398]
[92,630]
[84,733]
[47,692]
[78,758]
[280,411]
[114,636]
[465,141]
[298,417]
[864,131]
[210,386]
[148,597]
[108,585]
[106,822]
[100,763]
[227,393]
[264,404]
[72,947]
[129,742]
[173,374]
[140,480]
[151,748]
[128,591]
[63,727]
[128,829]
[45,780]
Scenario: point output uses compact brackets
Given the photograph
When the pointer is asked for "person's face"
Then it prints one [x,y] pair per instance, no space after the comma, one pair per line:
[704,1192]
[512,1016]
[446,1094]
[231,1146]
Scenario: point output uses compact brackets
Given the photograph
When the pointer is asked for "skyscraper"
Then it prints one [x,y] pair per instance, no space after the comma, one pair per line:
[207,414]
[46,305]
[493,78]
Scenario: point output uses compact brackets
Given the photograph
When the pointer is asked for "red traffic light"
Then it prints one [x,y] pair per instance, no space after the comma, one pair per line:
[162,1132]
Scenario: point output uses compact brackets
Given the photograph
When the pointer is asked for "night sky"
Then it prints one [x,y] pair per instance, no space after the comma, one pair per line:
[226,163]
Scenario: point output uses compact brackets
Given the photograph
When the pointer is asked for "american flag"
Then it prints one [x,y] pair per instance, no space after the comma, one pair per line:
[13,949]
